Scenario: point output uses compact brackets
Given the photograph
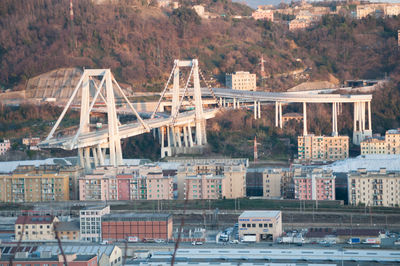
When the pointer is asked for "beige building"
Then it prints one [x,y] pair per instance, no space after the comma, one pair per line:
[273,183]
[205,186]
[67,230]
[35,227]
[373,145]
[263,14]
[230,174]
[261,226]
[34,187]
[323,148]
[374,188]
[390,144]
[241,80]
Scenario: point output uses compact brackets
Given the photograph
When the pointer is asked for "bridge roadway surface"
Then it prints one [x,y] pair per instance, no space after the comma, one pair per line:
[99,137]
[290,97]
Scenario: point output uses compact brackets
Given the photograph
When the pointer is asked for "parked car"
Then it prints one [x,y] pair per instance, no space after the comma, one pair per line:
[160,241]
[194,243]
[235,241]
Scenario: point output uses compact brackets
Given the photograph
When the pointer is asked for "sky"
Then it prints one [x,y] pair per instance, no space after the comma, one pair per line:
[255,3]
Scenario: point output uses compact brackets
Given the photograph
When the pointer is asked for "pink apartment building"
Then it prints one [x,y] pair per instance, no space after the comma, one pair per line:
[142,182]
[314,184]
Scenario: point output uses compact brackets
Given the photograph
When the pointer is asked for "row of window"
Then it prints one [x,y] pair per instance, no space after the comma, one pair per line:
[259,225]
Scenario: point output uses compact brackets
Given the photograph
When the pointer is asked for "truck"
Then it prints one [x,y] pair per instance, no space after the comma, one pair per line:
[354,240]
[371,241]
[287,239]
[249,238]
[133,239]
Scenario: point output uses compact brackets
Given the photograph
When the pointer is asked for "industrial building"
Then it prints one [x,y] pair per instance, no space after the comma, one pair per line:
[90,222]
[260,226]
[35,227]
[143,226]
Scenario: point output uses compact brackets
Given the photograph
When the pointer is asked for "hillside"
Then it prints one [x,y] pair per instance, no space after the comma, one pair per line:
[139,43]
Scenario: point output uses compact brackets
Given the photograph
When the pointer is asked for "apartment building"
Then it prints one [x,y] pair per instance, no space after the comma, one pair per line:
[4,146]
[129,183]
[314,184]
[33,187]
[210,174]
[264,226]
[263,14]
[90,222]
[322,148]
[273,183]
[204,186]
[241,80]
[35,227]
[389,144]
[378,10]
[374,188]
[373,145]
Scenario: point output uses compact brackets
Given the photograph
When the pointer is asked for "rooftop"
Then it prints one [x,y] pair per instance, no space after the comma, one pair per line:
[66,226]
[250,214]
[45,219]
[136,217]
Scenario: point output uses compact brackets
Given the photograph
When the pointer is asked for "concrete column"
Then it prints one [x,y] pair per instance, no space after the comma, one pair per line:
[185,137]
[190,135]
[81,159]
[162,139]
[355,116]
[96,162]
[87,158]
[280,115]
[173,136]
[369,116]
[304,119]
[363,115]
[276,114]
[234,103]
[100,155]
[259,109]
[334,119]
[255,110]
[178,136]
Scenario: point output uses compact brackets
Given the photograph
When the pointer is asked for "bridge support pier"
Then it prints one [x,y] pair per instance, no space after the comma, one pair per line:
[359,131]
[305,119]
[278,114]
[334,119]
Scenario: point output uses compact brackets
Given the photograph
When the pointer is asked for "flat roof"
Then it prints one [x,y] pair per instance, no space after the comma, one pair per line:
[136,217]
[250,214]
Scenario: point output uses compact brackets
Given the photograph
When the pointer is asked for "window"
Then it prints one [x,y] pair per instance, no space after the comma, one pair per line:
[243,225]
[265,225]
[253,225]
[248,225]
[259,225]
[270,225]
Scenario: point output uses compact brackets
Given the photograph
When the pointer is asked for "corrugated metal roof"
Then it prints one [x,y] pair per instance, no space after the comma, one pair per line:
[250,214]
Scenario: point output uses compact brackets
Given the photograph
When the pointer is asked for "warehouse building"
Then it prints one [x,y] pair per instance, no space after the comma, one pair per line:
[262,226]
[144,226]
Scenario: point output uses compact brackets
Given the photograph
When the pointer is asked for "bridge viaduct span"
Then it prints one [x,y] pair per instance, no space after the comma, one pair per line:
[180,131]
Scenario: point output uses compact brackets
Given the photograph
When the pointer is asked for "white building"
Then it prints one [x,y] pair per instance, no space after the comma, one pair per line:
[90,223]
[241,80]
[4,146]
[264,226]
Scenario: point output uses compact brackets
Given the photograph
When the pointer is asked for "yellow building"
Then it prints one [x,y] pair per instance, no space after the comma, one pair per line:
[35,227]
[273,183]
[34,187]
[323,148]
[390,144]
[230,173]
[205,186]
[374,145]
[67,230]
[374,188]
[260,226]
[241,80]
